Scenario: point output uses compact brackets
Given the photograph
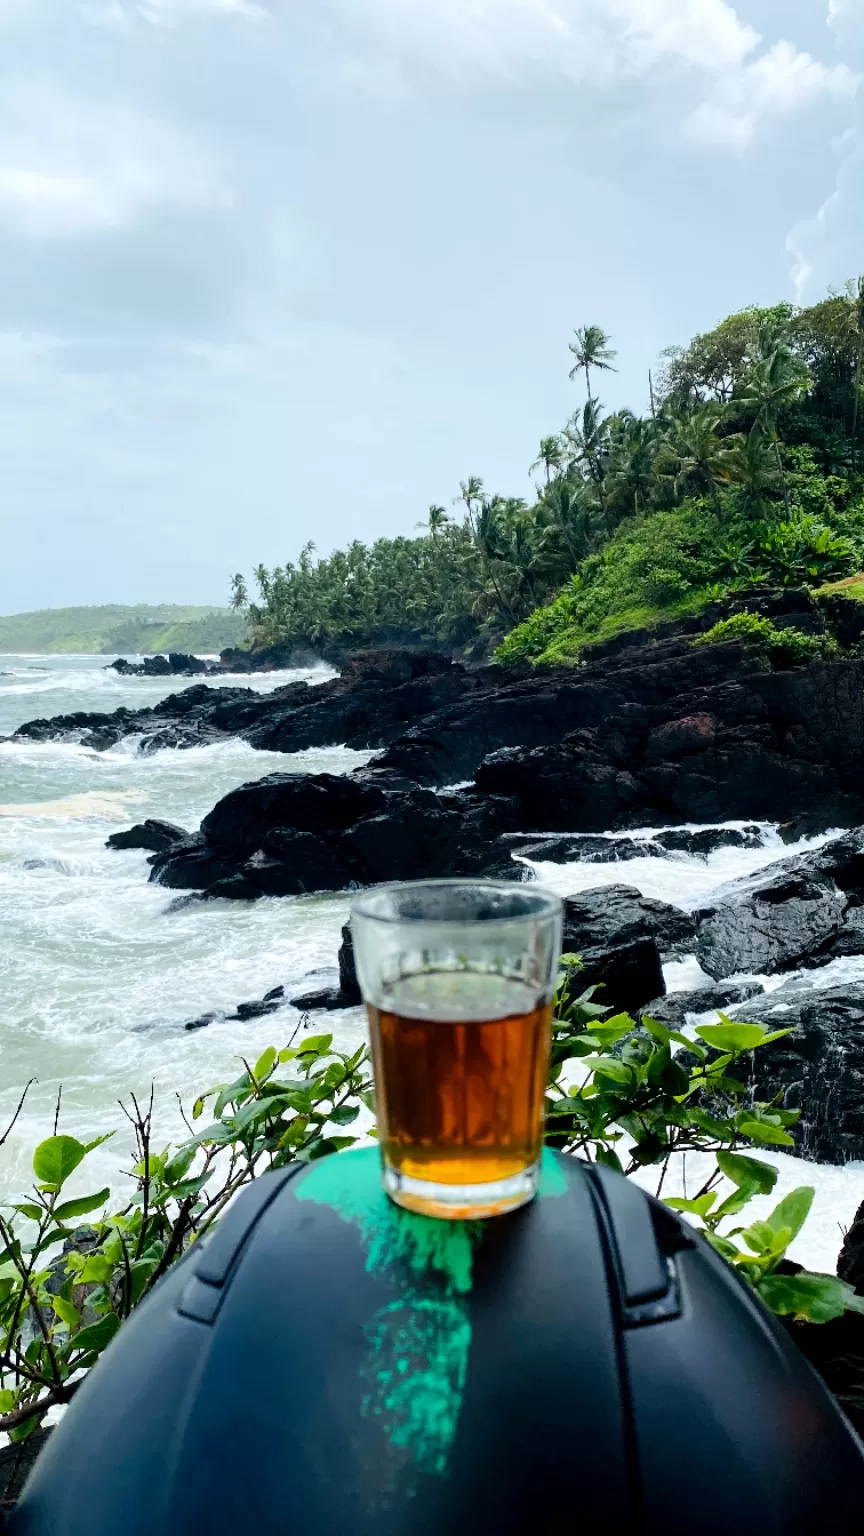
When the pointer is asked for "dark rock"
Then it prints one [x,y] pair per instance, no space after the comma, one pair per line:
[325,999]
[793,913]
[619,935]
[290,833]
[176,664]
[619,914]
[626,974]
[818,1068]
[586,849]
[672,1010]
[102,739]
[16,1463]
[349,987]
[775,925]
[203,1022]
[850,1265]
[151,834]
[836,1352]
[705,840]
[269,1003]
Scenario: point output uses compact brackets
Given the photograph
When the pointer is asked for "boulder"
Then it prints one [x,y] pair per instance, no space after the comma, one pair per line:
[619,914]
[850,1264]
[776,924]
[802,910]
[586,849]
[701,841]
[673,1009]
[619,936]
[151,834]
[818,1068]
[290,833]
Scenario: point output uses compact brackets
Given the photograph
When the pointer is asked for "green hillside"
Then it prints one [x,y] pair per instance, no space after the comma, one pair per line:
[115,629]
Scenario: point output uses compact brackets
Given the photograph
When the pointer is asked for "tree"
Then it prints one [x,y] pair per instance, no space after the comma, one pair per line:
[775,378]
[693,451]
[239,592]
[436,520]
[550,458]
[591,349]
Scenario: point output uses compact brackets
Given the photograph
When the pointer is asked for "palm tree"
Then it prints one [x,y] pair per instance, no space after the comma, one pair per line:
[550,457]
[591,349]
[750,463]
[437,520]
[775,378]
[855,295]
[470,492]
[693,450]
[239,592]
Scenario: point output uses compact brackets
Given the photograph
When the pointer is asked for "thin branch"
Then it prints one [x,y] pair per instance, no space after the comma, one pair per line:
[57,1395]
[11,1126]
[57,1110]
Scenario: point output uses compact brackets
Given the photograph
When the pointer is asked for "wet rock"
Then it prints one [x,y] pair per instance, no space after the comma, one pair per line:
[799,911]
[16,1462]
[624,974]
[349,987]
[850,1264]
[291,833]
[269,1003]
[324,1000]
[781,923]
[586,849]
[701,841]
[102,739]
[203,1021]
[673,1009]
[152,834]
[175,664]
[818,1068]
[617,914]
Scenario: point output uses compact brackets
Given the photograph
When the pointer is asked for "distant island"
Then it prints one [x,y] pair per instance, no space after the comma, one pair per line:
[114,629]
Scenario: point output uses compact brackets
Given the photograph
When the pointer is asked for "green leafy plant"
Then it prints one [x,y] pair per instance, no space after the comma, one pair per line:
[58,1311]
[783,647]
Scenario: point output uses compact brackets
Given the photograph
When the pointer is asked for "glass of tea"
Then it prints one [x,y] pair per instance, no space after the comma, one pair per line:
[458,977]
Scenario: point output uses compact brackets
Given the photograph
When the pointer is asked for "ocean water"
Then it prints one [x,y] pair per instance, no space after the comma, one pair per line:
[98,978]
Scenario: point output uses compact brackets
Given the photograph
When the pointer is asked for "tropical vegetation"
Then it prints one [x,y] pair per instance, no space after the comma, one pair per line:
[114,630]
[628,1097]
[747,469]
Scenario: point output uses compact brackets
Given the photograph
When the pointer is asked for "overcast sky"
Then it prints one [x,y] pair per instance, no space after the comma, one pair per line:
[278,270]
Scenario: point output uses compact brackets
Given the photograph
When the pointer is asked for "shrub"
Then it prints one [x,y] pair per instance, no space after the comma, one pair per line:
[783,647]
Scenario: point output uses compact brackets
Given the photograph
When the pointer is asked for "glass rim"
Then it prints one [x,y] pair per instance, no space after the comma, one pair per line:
[549,903]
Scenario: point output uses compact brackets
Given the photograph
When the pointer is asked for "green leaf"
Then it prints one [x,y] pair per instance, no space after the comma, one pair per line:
[178,1166]
[812,1298]
[793,1210]
[81,1207]
[698,1207]
[609,1066]
[733,1037]
[98,1335]
[609,1158]
[344,1115]
[659,1031]
[98,1269]
[747,1170]
[769,1135]
[317,1045]
[32,1212]
[56,1158]
[7,1401]
[66,1312]
[265,1063]
[97,1141]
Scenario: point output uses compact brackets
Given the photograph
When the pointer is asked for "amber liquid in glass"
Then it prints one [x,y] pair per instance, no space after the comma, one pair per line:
[460,1069]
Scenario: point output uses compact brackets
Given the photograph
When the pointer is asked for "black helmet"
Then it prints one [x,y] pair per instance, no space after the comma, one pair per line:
[329,1363]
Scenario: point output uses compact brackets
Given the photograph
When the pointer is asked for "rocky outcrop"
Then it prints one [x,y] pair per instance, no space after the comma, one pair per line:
[818,1068]
[152,834]
[290,833]
[803,910]
[175,664]
[620,937]
[674,1009]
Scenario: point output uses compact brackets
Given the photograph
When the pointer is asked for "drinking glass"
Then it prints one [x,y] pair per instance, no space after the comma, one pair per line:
[458,977]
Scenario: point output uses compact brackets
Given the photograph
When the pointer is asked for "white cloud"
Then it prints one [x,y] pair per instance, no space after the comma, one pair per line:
[67,166]
[771,85]
[596,40]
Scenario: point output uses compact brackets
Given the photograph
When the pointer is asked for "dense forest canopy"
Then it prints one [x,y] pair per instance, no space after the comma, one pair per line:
[747,468]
